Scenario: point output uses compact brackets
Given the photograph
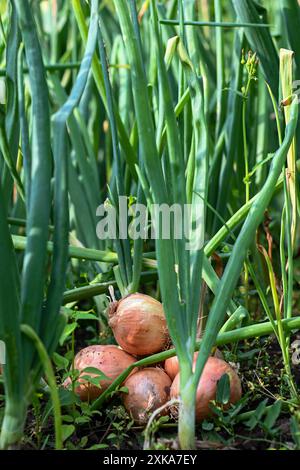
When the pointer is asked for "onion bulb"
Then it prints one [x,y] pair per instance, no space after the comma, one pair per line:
[109,359]
[207,387]
[171,365]
[139,324]
[148,389]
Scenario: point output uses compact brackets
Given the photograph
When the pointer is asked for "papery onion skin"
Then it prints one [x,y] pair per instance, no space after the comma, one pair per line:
[171,364]
[139,325]
[148,389]
[207,387]
[109,359]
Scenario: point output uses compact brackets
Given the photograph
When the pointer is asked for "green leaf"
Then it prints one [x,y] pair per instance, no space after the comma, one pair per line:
[290,11]
[272,415]
[98,372]
[67,431]
[83,441]
[61,193]
[98,446]
[82,419]
[67,332]
[34,272]
[12,124]
[240,250]
[60,361]
[259,412]
[66,398]
[9,312]
[90,380]
[260,41]
[295,430]
[128,153]
[223,389]
[207,426]
[84,316]
[67,418]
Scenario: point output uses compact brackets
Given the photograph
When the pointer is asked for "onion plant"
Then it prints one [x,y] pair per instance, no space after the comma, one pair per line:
[34,318]
[182,309]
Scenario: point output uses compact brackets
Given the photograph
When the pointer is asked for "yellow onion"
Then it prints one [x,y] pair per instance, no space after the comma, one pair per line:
[139,324]
[171,364]
[148,389]
[207,387]
[109,359]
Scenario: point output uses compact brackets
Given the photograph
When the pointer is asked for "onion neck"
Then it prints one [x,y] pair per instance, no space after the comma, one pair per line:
[186,421]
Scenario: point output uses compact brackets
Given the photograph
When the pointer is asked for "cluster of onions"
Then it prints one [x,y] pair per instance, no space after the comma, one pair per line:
[139,326]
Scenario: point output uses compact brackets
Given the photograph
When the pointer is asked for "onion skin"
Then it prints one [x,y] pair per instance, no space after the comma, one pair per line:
[139,325]
[148,389]
[110,359]
[171,364]
[207,387]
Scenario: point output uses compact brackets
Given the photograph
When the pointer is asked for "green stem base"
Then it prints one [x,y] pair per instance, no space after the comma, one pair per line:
[13,424]
[186,422]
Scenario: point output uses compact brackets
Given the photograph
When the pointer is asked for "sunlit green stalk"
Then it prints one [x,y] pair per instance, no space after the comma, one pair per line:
[216,24]
[98,76]
[13,423]
[281,334]
[287,279]
[239,252]
[45,360]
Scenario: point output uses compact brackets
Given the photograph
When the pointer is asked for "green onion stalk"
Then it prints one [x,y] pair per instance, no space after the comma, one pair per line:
[181,308]
[30,324]
[26,308]
[179,269]
[243,242]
